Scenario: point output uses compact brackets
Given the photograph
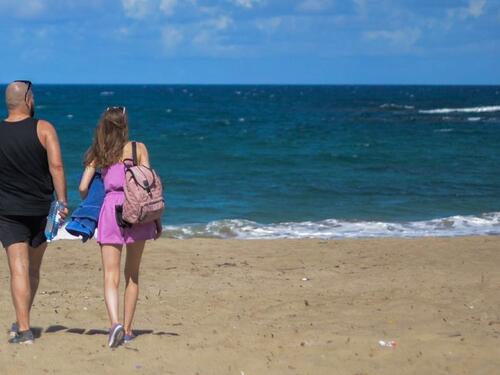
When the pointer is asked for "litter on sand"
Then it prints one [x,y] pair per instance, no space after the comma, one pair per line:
[387,344]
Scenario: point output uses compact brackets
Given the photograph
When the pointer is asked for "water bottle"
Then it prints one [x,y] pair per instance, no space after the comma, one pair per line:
[54,220]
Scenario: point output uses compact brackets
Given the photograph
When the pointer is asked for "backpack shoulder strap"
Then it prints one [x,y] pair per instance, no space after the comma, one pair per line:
[134,153]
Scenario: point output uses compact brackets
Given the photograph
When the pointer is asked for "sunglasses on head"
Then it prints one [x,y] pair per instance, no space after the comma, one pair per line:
[122,109]
[27,83]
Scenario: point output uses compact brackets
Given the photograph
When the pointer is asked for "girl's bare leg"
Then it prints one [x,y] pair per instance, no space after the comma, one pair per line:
[111,255]
[132,265]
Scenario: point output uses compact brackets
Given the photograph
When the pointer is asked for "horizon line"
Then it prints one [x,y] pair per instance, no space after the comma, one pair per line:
[255,84]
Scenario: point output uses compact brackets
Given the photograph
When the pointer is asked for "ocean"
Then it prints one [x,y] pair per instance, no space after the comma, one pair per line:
[303,161]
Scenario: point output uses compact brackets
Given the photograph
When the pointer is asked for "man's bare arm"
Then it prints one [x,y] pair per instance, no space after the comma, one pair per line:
[49,140]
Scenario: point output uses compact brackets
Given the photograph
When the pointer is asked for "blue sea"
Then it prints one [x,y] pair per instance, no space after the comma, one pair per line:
[304,161]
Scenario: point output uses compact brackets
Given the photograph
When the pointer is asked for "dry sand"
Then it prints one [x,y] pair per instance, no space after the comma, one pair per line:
[272,307]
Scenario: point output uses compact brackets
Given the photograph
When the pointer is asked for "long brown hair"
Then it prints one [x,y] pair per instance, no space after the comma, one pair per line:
[111,135]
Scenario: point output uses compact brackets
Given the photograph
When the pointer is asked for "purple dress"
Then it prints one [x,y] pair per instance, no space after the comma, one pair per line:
[108,230]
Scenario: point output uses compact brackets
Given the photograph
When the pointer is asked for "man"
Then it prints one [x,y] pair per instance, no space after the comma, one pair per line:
[31,168]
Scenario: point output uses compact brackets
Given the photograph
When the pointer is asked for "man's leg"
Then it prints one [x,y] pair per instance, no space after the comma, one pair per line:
[35,262]
[18,256]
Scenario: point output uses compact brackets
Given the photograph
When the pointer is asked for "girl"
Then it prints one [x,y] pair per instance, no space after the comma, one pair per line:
[108,152]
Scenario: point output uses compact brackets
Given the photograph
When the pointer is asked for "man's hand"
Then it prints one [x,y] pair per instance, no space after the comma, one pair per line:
[64,212]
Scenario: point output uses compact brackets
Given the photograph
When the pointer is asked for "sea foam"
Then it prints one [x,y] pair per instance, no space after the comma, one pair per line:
[396,106]
[493,108]
[486,224]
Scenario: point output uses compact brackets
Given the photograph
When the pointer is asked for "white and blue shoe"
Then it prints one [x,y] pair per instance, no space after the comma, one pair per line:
[116,334]
[14,330]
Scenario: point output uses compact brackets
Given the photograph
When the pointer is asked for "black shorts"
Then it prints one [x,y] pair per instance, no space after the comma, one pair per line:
[15,229]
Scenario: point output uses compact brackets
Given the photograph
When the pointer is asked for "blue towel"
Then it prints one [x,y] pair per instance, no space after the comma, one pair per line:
[84,220]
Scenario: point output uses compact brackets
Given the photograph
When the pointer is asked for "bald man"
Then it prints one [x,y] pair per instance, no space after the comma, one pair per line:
[31,169]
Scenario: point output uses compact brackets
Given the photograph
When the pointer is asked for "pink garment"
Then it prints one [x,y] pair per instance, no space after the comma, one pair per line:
[108,230]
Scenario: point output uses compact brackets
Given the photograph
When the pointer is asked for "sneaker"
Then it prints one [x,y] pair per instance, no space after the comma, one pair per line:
[115,335]
[14,330]
[128,338]
[22,337]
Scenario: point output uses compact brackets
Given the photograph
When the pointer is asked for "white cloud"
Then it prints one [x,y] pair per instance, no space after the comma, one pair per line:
[269,25]
[476,7]
[140,9]
[123,31]
[211,44]
[137,9]
[474,10]
[32,7]
[220,23]
[26,9]
[401,38]
[247,3]
[361,7]
[314,5]
[168,6]
[171,37]
[211,36]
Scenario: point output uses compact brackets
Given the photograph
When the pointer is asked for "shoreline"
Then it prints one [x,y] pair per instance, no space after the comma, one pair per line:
[291,306]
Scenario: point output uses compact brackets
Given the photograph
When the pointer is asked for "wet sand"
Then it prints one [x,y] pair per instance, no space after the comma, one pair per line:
[272,307]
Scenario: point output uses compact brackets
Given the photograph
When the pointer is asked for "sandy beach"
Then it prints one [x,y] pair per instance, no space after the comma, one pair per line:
[272,307]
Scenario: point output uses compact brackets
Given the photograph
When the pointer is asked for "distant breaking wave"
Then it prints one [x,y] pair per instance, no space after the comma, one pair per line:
[486,224]
[494,108]
[396,106]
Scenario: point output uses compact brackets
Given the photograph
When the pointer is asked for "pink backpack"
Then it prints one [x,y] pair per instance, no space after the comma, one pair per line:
[144,201]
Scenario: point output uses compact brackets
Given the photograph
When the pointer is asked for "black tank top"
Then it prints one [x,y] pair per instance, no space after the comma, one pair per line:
[26,187]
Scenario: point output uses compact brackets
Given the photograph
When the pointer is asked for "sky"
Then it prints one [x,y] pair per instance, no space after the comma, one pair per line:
[251,41]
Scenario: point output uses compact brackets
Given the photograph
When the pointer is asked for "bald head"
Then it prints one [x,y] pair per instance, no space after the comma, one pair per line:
[15,96]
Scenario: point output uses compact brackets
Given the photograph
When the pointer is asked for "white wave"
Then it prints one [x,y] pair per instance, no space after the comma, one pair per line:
[396,106]
[473,119]
[107,93]
[486,224]
[443,130]
[493,108]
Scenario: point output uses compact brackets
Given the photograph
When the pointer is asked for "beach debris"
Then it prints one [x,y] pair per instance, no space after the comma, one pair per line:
[387,344]
[306,302]
[50,292]
[306,279]
[226,264]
